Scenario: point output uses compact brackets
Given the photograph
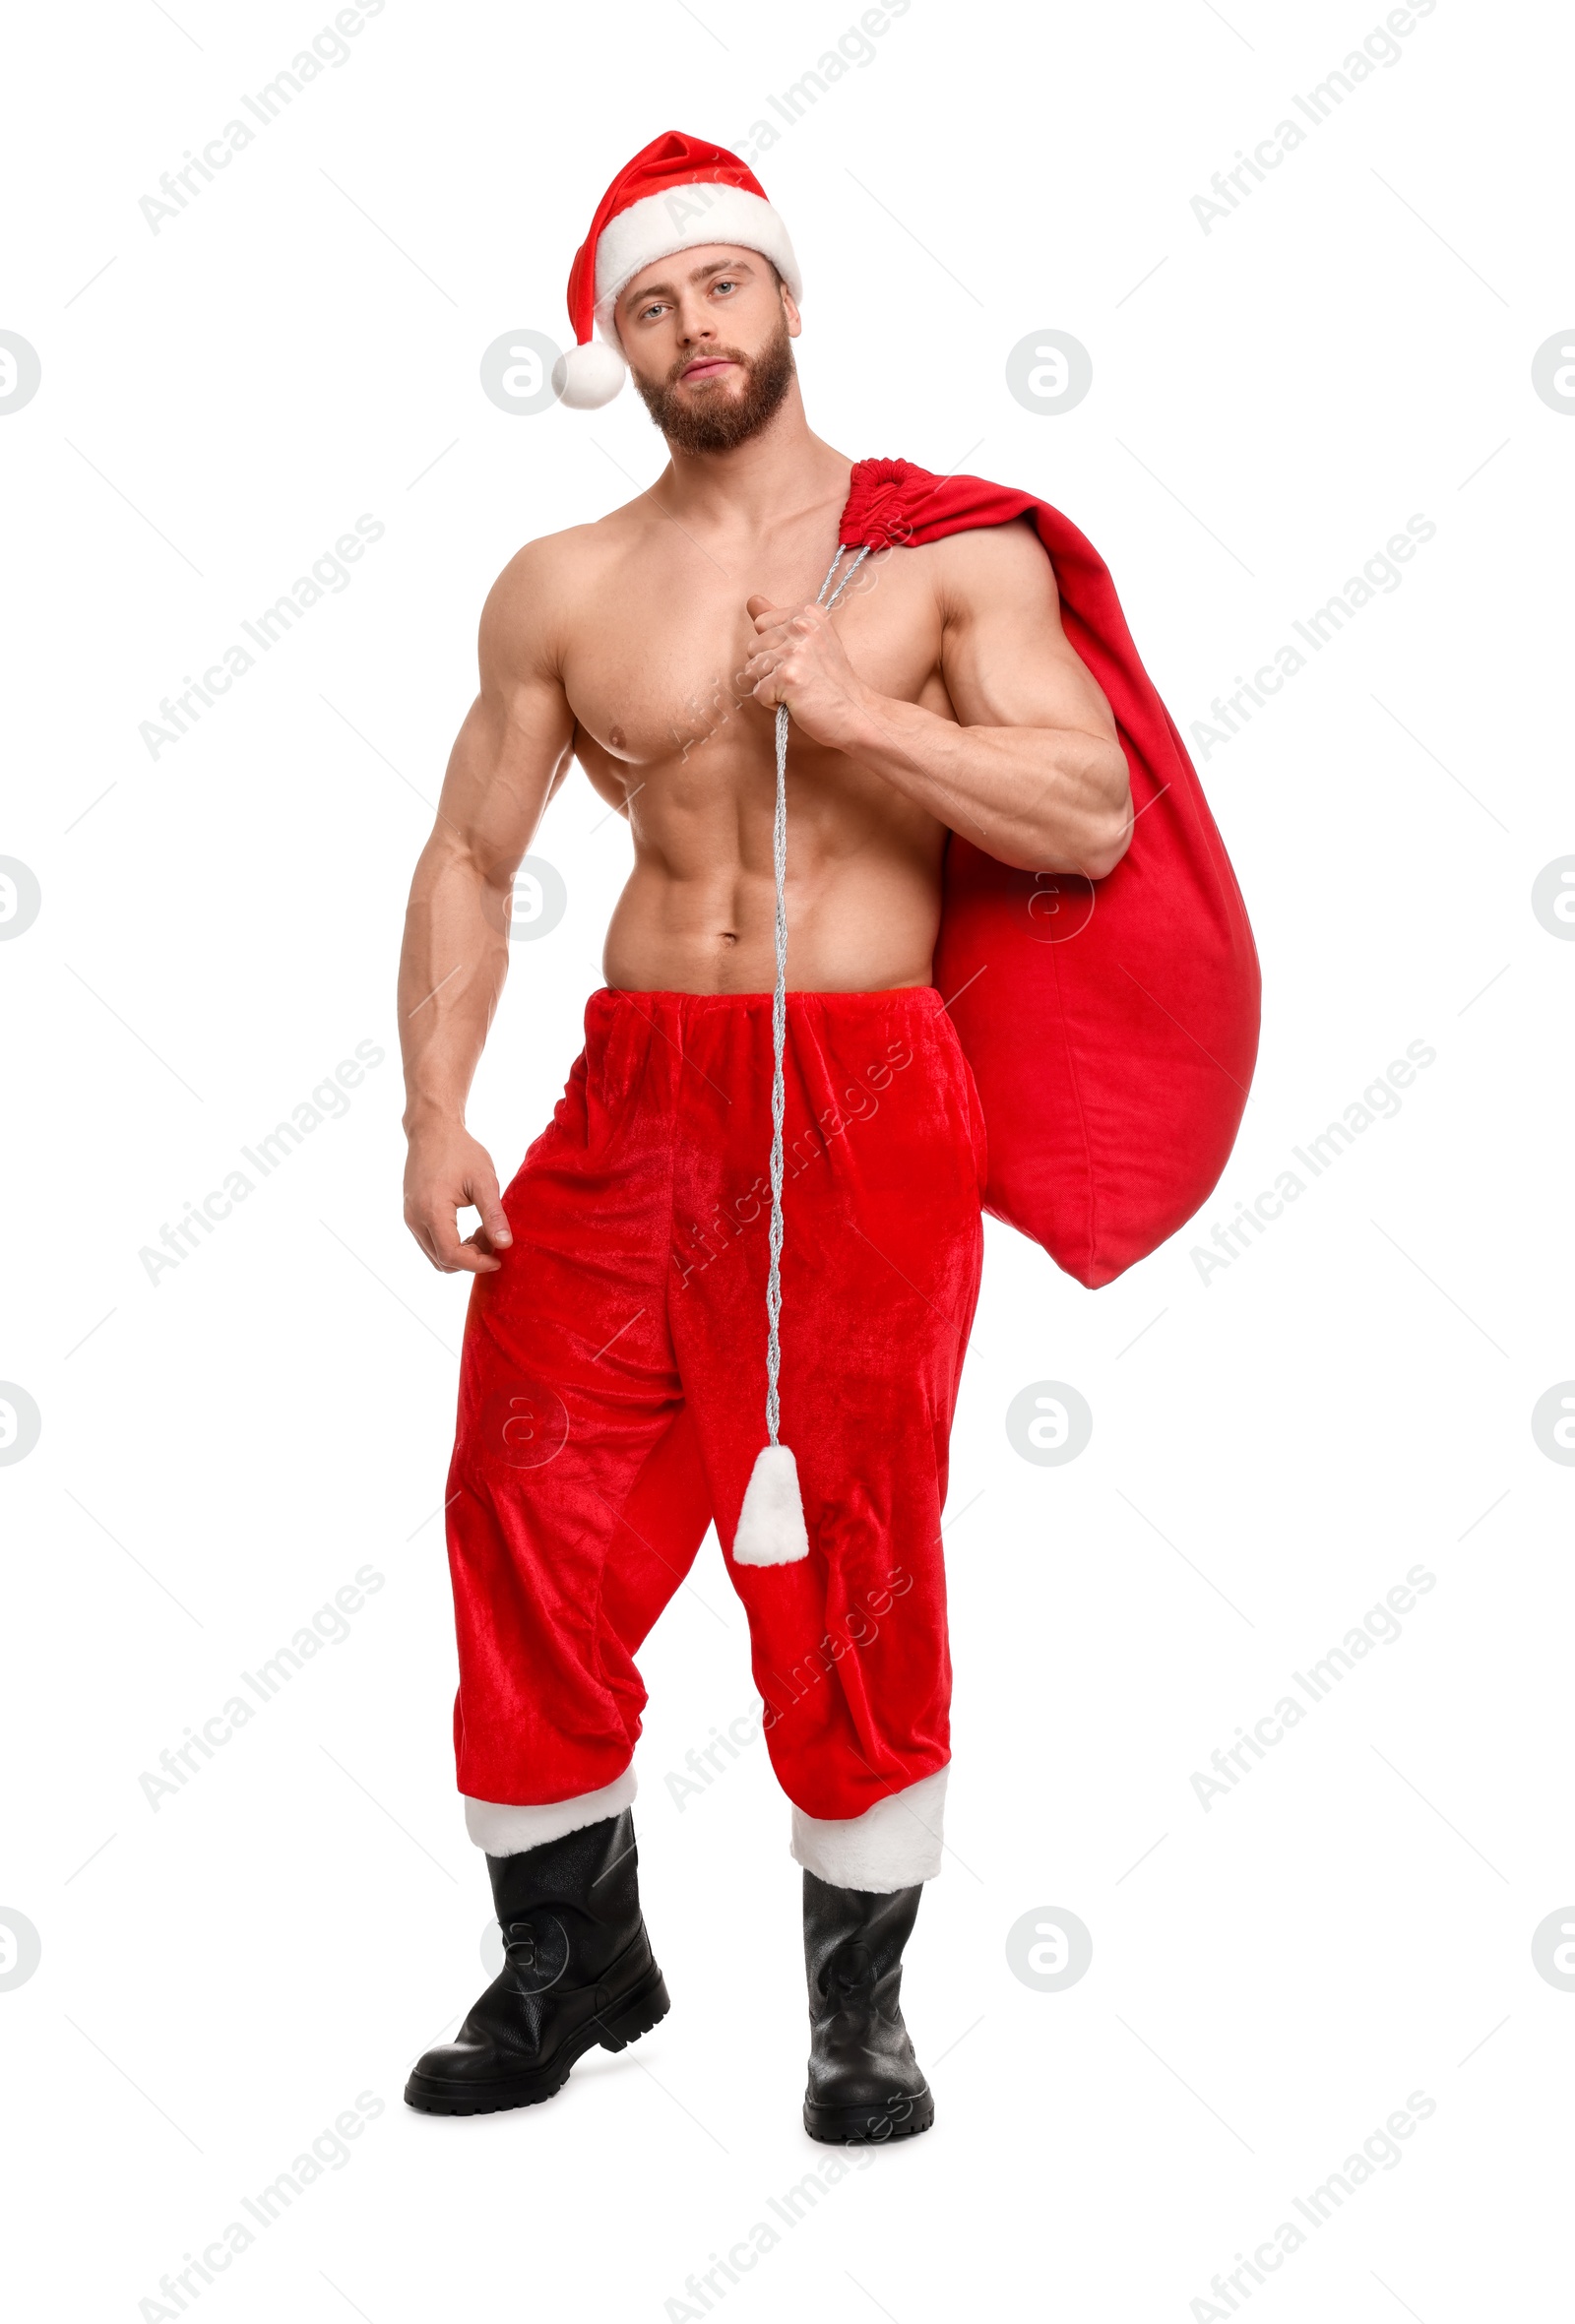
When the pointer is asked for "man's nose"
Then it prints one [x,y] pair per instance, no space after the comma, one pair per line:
[694,323]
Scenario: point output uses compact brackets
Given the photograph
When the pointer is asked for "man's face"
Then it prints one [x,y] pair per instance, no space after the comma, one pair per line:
[707,335]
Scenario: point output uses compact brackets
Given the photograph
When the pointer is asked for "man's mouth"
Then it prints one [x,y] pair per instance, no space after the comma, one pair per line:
[705,367]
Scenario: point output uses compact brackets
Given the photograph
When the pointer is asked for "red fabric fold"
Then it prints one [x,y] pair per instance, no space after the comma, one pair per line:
[1111,1025]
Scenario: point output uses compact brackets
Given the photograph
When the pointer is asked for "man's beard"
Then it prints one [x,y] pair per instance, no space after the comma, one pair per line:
[718,422]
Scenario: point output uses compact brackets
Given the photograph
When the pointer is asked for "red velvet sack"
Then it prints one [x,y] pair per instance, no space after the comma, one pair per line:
[1111,1025]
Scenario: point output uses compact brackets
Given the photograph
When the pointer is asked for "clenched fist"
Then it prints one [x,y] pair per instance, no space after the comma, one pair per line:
[799,660]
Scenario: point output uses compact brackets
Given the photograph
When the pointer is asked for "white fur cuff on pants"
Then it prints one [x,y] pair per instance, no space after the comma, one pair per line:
[509,1830]
[893,1844]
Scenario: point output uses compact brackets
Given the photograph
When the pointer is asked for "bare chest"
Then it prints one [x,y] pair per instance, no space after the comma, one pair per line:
[654,669]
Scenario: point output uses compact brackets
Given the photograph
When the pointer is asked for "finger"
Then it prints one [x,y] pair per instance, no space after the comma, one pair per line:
[766,615]
[472,1258]
[438,1234]
[423,1228]
[483,1193]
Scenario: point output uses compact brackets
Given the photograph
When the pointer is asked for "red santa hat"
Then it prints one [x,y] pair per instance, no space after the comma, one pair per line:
[678,194]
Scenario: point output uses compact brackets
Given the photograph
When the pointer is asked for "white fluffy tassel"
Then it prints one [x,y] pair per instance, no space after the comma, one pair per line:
[771,1522]
[588,376]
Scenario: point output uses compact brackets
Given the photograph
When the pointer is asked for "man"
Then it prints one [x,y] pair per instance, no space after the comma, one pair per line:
[615,1352]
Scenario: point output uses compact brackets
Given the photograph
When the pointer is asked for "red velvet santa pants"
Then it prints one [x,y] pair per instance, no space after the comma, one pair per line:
[612,1403]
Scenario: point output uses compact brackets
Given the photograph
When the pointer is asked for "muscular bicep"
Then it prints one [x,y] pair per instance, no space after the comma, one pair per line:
[1005,657]
[514,747]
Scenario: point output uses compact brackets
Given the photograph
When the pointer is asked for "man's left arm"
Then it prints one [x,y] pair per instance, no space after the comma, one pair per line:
[1034,770]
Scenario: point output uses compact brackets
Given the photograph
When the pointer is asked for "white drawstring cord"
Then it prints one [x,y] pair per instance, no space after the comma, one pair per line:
[778,1026]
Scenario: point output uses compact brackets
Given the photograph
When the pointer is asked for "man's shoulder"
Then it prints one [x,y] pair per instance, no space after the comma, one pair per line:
[555,561]
[984,563]
[992,548]
[532,607]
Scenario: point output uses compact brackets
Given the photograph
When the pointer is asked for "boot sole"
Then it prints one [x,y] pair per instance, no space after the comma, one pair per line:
[867,2126]
[635,2015]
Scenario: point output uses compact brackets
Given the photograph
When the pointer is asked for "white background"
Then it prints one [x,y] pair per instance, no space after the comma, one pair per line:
[220,1452]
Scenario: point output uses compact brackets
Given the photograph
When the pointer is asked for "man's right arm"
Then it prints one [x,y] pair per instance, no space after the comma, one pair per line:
[511,755]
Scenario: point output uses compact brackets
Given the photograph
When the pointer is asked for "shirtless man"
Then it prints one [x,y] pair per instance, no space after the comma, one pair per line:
[613,1370]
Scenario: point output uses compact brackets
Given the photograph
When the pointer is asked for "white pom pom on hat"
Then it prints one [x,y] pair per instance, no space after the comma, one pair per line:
[588,376]
[679,193]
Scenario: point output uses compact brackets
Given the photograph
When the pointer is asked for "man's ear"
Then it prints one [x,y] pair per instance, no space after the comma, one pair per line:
[791,310]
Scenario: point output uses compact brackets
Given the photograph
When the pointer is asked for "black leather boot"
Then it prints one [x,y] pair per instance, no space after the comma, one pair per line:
[865,2085]
[577,1970]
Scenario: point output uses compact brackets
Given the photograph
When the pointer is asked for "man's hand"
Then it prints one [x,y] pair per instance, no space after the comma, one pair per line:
[447,1171]
[799,658]
[1025,759]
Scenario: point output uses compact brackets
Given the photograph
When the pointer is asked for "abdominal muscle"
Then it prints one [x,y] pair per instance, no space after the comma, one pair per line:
[859,934]
[698,913]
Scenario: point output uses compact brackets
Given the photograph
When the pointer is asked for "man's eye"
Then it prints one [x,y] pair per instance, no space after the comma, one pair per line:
[725,286]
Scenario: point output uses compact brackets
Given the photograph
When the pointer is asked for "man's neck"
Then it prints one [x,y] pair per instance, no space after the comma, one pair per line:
[782,472]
